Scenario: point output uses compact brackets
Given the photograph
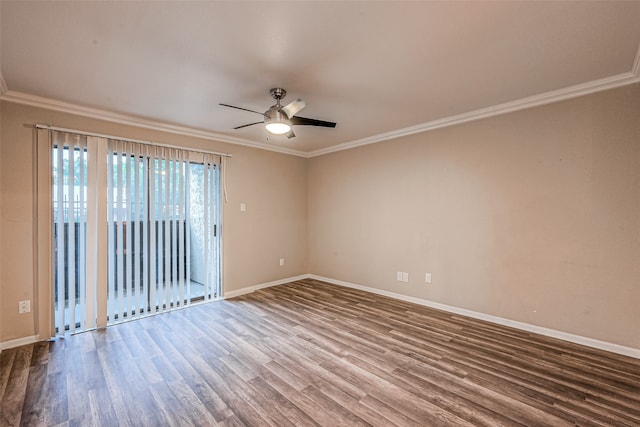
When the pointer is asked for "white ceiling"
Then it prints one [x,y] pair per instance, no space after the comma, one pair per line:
[378,69]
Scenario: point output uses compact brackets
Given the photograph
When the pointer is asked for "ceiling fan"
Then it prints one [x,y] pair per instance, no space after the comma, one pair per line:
[280,119]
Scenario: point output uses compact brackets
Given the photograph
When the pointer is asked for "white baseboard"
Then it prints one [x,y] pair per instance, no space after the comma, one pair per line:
[577,339]
[5,345]
[249,289]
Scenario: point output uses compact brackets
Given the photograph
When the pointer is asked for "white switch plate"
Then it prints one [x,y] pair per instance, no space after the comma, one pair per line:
[405,277]
[243,207]
[427,278]
[24,307]
[399,276]
[281,262]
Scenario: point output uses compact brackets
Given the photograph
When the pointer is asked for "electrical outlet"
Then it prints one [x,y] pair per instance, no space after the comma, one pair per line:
[427,278]
[24,307]
[281,262]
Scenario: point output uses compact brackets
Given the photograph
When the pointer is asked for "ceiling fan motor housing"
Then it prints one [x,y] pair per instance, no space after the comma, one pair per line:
[275,112]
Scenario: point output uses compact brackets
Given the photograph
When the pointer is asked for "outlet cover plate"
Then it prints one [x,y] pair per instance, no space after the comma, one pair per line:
[24,307]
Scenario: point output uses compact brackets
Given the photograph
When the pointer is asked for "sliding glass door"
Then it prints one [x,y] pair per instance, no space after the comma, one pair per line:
[162,221]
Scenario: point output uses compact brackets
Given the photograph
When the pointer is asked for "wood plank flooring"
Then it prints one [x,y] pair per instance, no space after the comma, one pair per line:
[310,353]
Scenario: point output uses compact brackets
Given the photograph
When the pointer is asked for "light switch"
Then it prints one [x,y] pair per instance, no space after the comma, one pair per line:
[243,207]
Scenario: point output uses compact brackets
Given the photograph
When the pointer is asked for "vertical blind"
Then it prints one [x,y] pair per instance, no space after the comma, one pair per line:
[70,220]
[162,229]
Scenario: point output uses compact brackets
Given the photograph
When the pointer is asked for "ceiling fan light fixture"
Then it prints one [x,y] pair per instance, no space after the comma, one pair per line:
[276,121]
[277,127]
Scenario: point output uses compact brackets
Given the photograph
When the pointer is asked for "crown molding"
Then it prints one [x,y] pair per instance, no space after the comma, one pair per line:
[496,110]
[110,116]
[532,101]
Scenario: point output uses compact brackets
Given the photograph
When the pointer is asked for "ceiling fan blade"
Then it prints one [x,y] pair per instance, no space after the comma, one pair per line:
[240,108]
[290,134]
[311,122]
[250,124]
[294,107]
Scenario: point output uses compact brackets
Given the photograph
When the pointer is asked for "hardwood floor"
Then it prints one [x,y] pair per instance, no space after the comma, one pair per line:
[310,353]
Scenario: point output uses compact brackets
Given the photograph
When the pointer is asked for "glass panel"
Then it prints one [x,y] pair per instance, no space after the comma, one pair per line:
[69,205]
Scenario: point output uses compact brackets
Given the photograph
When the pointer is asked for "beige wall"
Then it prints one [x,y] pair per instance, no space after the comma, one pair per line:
[272,185]
[532,216]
